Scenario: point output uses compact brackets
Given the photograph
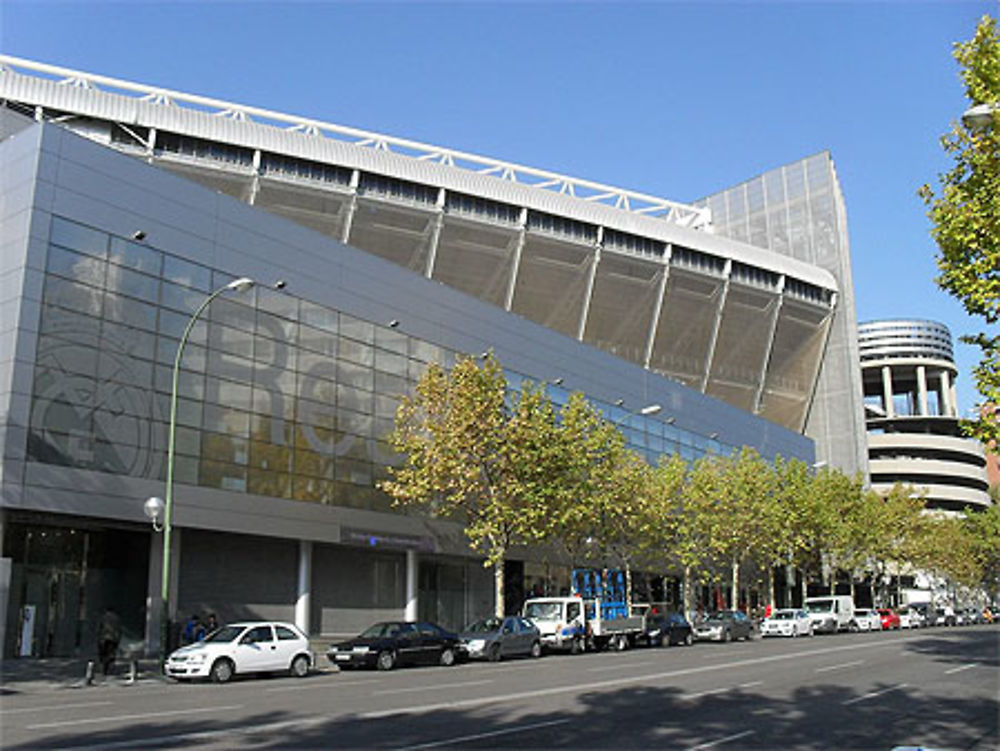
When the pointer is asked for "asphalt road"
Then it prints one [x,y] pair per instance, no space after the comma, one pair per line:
[936,688]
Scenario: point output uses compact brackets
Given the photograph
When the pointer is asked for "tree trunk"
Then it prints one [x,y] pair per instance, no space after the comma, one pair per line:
[769,587]
[498,593]
[734,597]
[628,590]
[687,593]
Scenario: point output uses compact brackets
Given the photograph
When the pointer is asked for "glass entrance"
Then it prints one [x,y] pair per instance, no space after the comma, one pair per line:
[63,577]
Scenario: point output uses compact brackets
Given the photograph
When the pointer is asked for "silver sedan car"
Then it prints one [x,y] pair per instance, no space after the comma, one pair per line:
[496,638]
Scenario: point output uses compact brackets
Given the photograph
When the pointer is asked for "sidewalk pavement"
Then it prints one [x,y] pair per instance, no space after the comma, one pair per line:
[32,674]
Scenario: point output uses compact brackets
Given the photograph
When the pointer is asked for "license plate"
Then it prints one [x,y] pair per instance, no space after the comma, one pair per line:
[342,657]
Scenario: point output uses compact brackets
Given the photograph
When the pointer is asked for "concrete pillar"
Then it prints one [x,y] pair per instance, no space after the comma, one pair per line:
[304,587]
[890,410]
[412,564]
[922,409]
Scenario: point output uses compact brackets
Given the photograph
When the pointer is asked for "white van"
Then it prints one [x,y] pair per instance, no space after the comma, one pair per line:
[830,613]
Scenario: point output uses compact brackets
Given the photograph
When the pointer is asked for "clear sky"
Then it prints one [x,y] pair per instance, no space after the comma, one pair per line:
[674,99]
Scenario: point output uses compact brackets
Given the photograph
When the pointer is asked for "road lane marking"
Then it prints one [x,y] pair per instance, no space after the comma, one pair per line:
[143,716]
[720,741]
[841,666]
[56,706]
[327,685]
[960,668]
[435,687]
[872,695]
[627,680]
[480,736]
[749,684]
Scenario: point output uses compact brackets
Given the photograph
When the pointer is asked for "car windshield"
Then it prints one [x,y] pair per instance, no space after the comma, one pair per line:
[225,634]
[783,615]
[820,606]
[720,615]
[543,610]
[485,626]
[379,630]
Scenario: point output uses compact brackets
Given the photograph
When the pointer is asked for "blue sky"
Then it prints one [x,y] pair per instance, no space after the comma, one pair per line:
[674,99]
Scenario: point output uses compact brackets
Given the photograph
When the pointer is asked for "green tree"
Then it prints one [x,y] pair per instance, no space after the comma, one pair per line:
[965,214]
[983,528]
[480,455]
[603,510]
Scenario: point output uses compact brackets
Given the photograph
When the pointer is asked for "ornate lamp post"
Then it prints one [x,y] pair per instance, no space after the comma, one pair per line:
[160,511]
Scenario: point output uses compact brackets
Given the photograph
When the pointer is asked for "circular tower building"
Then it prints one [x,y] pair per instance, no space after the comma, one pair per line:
[908,371]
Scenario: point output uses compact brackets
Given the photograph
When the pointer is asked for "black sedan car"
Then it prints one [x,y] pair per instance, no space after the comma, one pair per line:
[390,643]
[667,629]
[724,625]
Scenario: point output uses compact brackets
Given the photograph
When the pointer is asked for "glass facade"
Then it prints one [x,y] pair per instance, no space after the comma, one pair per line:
[278,396]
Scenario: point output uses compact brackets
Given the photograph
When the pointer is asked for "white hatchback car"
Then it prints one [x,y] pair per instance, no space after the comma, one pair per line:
[255,647]
[867,620]
[787,622]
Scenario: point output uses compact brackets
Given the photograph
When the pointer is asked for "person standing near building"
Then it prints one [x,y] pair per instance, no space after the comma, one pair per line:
[109,634]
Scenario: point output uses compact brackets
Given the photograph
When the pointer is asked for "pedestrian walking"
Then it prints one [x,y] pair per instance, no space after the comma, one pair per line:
[109,634]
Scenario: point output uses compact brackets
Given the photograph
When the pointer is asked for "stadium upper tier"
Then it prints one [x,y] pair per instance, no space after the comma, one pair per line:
[638,276]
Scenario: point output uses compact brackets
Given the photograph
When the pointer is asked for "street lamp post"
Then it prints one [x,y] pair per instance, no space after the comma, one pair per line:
[161,511]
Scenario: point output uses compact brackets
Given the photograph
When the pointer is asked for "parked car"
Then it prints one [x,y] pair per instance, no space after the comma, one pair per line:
[890,619]
[667,628]
[909,618]
[973,616]
[945,617]
[388,644]
[496,638]
[724,625]
[787,622]
[866,619]
[252,647]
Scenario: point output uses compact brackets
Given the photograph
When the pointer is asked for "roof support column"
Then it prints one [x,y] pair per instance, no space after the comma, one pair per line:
[345,234]
[827,326]
[436,232]
[890,409]
[255,180]
[509,299]
[710,355]
[590,284]
[922,409]
[758,398]
[151,145]
[658,306]
[947,395]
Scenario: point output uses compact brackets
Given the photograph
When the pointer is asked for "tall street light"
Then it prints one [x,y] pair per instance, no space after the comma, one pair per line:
[160,511]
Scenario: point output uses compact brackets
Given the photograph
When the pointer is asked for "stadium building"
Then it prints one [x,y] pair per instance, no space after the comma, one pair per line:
[126,206]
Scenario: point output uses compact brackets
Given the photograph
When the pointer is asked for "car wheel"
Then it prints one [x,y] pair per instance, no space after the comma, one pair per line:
[688,640]
[494,654]
[536,649]
[386,660]
[447,657]
[222,670]
[300,666]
